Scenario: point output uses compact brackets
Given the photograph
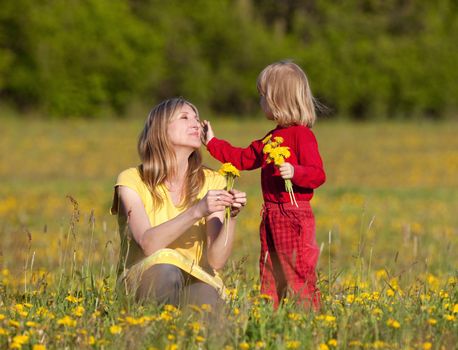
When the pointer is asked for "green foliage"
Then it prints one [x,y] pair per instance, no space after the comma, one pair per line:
[364,58]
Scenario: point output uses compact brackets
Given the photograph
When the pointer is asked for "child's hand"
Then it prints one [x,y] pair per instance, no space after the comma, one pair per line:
[239,199]
[286,171]
[208,133]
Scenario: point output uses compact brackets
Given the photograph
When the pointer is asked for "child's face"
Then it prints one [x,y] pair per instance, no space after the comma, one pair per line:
[265,107]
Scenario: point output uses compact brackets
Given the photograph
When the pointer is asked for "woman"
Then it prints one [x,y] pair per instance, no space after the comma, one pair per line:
[171,212]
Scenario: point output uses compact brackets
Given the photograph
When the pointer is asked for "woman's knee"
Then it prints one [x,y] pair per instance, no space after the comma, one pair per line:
[161,282]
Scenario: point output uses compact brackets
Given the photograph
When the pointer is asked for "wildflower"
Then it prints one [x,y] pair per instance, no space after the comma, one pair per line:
[432,321]
[449,317]
[3,331]
[230,172]
[455,308]
[31,324]
[200,339]
[206,307]
[266,139]
[427,345]
[115,329]
[293,316]
[293,344]
[39,347]
[277,154]
[244,346]
[323,346]
[393,323]
[14,323]
[2,317]
[78,311]
[73,299]
[195,326]
[236,311]
[91,340]
[332,342]
[67,321]
[21,339]
[260,344]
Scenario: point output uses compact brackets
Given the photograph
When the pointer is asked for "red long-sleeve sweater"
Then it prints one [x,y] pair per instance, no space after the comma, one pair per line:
[305,157]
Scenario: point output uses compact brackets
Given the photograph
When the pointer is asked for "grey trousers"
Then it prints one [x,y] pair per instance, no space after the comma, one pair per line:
[168,284]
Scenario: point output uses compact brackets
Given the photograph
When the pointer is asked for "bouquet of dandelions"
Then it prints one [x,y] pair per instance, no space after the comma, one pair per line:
[277,154]
[230,172]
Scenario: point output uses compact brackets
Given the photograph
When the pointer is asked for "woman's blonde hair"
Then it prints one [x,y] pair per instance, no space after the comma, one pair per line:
[287,92]
[158,158]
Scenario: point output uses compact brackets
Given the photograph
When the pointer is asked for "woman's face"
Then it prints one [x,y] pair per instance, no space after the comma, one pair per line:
[184,129]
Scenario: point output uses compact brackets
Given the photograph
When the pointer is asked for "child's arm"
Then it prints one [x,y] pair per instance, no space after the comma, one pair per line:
[242,158]
[309,172]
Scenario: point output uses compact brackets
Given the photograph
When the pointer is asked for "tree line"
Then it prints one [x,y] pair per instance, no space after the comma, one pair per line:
[364,58]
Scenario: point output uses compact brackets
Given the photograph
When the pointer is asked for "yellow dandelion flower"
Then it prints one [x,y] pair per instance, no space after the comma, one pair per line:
[73,299]
[21,339]
[378,344]
[227,169]
[244,346]
[393,323]
[78,311]
[350,298]
[39,347]
[455,308]
[3,331]
[293,344]
[278,139]
[115,329]
[449,317]
[432,321]
[206,307]
[2,317]
[323,346]
[267,149]
[14,323]
[200,339]
[294,316]
[236,311]
[91,340]
[266,139]
[31,324]
[67,321]
[427,345]
[332,342]
[260,344]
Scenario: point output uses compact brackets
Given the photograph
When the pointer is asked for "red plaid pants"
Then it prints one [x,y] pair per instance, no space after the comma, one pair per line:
[289,253]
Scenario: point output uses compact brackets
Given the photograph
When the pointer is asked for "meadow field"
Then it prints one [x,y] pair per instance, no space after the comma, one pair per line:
[387,226]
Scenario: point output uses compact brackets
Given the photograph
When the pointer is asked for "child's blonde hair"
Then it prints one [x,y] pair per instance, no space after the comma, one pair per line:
[287,92]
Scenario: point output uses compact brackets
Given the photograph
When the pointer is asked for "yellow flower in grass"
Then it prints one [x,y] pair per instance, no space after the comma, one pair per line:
[78,311]
[393,323]
[455,309]
[73,299]
[432,321]
[244,346]
[21,339]
[293,344]
[427,345]
[115,329]
[67,321]
[323,346]
[39,347]
[260,344]
[332,342]
[2,317]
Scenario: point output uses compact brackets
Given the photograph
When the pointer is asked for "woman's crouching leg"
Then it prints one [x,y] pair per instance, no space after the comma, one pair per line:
[199,293]
[162,283]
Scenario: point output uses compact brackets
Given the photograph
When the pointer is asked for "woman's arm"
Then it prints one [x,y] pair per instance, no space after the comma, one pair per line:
[218,250]
[151,239]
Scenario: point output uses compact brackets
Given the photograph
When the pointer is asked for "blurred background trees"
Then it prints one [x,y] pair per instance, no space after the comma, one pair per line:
[365,58]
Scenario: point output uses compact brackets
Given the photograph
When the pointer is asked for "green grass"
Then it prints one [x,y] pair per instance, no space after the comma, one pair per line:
[389,205]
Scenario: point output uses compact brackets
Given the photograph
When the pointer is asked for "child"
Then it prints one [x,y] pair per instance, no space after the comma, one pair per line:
[289,252]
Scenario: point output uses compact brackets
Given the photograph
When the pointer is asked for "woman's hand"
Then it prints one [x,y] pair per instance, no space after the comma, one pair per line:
[239,201]
[286,170]
[214,201]
[208,133]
